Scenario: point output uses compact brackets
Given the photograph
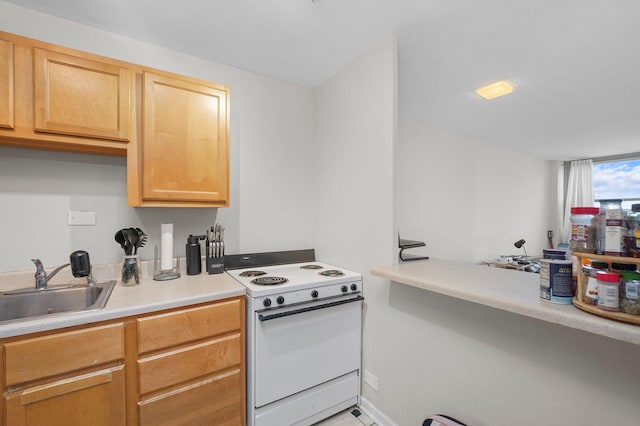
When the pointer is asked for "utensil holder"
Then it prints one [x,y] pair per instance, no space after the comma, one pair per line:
[131,271]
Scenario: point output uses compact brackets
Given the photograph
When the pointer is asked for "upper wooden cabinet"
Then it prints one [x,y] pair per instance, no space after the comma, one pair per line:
[82,97]
[56,98]
[6,84]
[173,129]
[182,157]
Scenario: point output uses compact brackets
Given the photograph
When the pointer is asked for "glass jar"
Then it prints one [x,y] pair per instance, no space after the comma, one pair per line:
[632,237]
[131,270]
[610,232]
[630,292]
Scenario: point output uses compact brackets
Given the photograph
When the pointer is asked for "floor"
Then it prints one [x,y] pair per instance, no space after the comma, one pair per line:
[350,417]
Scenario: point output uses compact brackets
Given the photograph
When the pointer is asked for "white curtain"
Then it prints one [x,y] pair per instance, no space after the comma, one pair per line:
[579,192]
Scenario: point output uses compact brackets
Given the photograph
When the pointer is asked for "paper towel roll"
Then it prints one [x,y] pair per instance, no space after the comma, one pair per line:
[166,246]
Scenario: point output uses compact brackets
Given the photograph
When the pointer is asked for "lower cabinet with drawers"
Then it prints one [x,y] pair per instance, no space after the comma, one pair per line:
[179,367]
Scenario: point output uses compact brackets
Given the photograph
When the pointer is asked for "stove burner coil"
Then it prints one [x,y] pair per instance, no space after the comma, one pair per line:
[252,273]
[332,273]
[311,267]
[269,280]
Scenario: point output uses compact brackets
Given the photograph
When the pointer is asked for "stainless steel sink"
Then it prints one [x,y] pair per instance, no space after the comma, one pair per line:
[31,303]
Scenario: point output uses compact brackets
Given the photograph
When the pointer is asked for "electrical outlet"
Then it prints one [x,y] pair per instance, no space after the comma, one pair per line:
[371,380]
[81,218]
[549,234]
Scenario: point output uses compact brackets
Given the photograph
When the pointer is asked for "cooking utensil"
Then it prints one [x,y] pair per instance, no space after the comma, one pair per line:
[142,240]
[121,239]
[133,238]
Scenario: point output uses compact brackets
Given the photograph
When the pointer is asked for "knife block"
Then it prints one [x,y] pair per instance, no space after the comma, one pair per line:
[215,265]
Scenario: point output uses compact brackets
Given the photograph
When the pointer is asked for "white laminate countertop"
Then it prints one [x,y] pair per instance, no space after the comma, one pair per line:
[504,289]
[146,297]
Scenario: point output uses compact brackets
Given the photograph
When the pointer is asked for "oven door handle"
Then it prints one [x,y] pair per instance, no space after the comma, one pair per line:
[263,317]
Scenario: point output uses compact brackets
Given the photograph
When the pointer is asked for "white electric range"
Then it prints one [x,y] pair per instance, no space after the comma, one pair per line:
[304,336]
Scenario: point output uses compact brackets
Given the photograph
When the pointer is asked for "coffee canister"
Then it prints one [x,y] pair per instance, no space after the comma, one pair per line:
[556,284]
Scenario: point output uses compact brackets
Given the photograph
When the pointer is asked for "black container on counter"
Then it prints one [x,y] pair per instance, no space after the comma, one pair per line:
[194,254]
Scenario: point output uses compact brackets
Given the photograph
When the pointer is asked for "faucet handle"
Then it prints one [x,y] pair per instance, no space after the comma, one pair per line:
[39,268]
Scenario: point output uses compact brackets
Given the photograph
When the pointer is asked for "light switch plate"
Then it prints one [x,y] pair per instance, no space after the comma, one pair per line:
[81,218]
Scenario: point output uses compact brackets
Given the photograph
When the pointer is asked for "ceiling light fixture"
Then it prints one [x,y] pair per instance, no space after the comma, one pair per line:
[495,89]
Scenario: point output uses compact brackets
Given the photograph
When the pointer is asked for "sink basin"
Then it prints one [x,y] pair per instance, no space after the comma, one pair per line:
[31,303]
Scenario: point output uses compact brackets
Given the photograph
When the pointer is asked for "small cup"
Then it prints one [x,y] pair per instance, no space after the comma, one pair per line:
[131,271]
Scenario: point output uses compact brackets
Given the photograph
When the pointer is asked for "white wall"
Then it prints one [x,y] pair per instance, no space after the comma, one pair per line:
[354,152]
[271,124]
[493,368]
[468,200]
[436,354]
[354,187]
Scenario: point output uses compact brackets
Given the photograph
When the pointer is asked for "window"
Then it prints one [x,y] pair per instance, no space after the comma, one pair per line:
[617,180]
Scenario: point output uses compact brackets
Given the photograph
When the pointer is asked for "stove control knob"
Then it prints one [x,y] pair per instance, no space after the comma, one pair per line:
[354,287]
[314,293]
[280,300]
[344,289]
[266,302]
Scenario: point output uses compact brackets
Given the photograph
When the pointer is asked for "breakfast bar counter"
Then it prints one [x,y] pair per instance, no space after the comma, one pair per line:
[507,290]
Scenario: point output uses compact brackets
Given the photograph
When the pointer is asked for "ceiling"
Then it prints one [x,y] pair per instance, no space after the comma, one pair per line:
[575,63]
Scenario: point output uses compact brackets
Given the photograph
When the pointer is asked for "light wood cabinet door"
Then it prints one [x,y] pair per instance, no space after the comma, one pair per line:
[96,398]
[81,97]
[184,141]
[6,84]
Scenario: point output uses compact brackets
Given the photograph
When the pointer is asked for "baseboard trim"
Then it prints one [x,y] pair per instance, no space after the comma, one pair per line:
[374,414]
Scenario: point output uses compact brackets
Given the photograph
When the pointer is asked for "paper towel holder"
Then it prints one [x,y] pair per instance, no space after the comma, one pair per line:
[160,274]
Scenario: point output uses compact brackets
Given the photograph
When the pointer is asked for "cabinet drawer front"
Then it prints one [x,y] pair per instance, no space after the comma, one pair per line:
[78,96]
[60,353]
[189,363]
[175,328]
[6,84]
[210,402]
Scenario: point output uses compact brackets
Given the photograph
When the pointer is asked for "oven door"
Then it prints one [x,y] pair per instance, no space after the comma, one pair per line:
[302,346]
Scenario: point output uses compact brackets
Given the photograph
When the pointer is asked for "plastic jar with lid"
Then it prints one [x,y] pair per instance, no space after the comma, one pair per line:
[608,291]
[590,274]
[583,229]
[630,292]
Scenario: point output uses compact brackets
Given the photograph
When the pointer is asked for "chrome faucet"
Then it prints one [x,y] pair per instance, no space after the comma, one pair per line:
[42,278]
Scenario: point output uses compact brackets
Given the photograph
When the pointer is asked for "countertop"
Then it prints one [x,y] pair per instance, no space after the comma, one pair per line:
[508,290]
[146,297]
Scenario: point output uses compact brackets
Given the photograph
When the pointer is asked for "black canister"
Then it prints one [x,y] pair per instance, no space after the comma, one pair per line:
[194,256]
